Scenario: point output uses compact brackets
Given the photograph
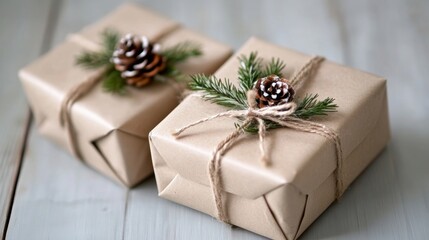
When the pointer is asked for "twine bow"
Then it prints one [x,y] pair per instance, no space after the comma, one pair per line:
[281,114]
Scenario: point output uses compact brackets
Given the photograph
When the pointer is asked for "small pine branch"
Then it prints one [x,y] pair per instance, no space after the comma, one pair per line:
[275,67]
[181,52]
[113,82]
[93,60]
[249,70]
[110,40]
[176,54]
[309,106]
[218,91]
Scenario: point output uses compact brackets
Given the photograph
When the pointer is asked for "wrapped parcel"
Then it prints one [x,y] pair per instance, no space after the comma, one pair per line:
[282,200]
[111,130]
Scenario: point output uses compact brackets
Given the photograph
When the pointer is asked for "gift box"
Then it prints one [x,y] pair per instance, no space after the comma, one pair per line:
[281,200]
[111,130]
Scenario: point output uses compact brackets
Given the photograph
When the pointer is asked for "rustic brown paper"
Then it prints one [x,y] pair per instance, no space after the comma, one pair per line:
[282,200]
[112,130]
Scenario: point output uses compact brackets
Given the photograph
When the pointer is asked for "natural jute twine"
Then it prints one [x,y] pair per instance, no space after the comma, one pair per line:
[75,93]
[65,112]
[280,114]
[81,90]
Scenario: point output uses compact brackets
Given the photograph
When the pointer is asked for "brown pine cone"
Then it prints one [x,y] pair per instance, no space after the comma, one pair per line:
[137,60]
[273,90]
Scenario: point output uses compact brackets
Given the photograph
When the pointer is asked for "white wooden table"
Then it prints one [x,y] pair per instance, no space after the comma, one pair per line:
[46,194]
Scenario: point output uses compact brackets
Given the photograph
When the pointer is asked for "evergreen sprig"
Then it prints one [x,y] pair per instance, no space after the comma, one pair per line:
[250,70]
[181,52]
[94,60]
[217,91]
[275,67]
[309,106]
[113,82]
[110,39]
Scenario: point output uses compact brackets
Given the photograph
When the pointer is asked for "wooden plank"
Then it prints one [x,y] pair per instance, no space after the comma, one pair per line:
[151,217]
[57,197]
[16,51]
[390,200]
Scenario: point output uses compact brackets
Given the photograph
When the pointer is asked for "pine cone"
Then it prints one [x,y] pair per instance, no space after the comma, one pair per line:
[273,90]
[137,60]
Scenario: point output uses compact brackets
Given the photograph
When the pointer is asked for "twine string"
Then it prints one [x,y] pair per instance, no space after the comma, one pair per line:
[305,71]
[65,111]
[81,90]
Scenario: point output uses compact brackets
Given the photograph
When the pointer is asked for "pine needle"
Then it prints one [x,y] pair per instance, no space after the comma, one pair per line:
[93,60]
[218,91]
[110,40]
[177,54]
[309,106]
[275,67]
[249,70]
[113,82]
[181,52]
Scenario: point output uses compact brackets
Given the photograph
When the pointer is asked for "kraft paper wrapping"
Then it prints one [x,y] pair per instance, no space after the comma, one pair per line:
[282,200]
[112,130]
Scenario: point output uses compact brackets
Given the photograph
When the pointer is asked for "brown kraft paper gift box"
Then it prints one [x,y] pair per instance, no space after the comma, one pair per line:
[279,201]
[111,130]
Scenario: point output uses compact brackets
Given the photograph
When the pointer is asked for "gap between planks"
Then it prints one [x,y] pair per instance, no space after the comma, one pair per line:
[20,153]
[19,156]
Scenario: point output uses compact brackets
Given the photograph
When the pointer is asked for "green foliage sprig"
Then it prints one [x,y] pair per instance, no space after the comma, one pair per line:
[94,60]
[221,92]
[112,80]
[224,93]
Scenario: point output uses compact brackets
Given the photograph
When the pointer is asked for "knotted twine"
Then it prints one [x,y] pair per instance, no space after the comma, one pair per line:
[281,114]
